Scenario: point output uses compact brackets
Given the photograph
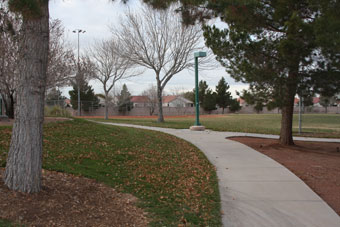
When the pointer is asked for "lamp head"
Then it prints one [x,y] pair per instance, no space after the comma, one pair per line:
[200,54]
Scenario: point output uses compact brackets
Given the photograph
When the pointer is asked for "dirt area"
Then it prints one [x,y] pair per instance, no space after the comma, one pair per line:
[67,200]
[317,164]
[9,122]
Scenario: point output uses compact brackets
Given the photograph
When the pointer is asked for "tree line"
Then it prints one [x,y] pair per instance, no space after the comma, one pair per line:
[209,100]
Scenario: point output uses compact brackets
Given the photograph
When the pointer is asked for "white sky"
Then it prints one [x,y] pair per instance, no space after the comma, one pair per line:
[94,16]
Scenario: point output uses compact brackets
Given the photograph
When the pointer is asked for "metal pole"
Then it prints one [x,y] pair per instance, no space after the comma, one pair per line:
[196,94]
[300,104]
[79,114]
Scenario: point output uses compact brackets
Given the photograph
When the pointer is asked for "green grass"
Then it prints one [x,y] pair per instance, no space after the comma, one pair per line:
[173,179]
[315,125]
[5,223]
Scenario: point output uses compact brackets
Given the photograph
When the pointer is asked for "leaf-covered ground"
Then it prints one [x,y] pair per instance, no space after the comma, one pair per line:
[173,180]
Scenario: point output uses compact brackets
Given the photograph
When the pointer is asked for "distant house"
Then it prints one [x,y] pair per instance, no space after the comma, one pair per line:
[168,101]
[316,102]
[140,101]
[242,102]
[296,101]
[176,101]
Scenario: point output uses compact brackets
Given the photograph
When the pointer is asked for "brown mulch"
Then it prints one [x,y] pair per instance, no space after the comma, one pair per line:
[316,163]
[67,200]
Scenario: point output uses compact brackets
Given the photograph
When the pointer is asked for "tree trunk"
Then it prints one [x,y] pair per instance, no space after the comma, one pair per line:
[9,105]
[160,103]
[286,133]
[106,107]
[24,162]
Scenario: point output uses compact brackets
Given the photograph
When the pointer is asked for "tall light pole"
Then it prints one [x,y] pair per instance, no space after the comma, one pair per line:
[79,31]
[197,126]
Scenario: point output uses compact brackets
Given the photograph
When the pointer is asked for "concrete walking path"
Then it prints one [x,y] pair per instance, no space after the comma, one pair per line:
[256,191]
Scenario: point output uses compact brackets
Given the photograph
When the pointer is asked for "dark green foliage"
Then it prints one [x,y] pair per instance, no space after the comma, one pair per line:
[209,102]
[259,97]
[190,95]
[124,103]
[202,91]
[87,97]
[327,101]
[223,96]
[234,105]
[276,45]
[206,97]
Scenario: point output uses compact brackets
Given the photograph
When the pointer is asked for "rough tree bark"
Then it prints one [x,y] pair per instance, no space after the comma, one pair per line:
[286,133]
[160,100]
[106,105]
[24,162]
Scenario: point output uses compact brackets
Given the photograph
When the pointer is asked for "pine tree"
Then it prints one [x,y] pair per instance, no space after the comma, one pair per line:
[124,100]
[88,99]
[209,101]
[223,96]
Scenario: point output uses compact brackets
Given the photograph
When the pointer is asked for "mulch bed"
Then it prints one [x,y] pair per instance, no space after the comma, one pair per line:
[317,164]
[67,200]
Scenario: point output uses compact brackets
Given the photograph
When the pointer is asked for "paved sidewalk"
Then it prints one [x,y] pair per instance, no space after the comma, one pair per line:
[255,190]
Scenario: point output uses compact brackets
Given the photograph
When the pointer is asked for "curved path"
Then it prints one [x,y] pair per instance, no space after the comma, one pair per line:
[256,191]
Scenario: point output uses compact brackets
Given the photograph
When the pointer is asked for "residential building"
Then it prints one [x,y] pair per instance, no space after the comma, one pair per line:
[176,101]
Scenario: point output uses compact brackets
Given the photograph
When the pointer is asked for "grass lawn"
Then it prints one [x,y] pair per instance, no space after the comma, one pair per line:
[316,125]
[173,180]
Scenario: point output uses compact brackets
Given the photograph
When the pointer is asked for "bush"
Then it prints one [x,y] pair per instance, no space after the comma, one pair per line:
[56,111]
[234,106]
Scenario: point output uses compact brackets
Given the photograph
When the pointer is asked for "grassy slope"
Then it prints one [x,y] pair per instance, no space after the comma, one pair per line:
[318,125]
[173,180]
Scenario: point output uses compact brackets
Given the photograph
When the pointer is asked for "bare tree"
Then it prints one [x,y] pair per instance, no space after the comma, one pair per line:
[59,65]
[152,99]
[61,57]
[110,67]
[9,27]
[159,41]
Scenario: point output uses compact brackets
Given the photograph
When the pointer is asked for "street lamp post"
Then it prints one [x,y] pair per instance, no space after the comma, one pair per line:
[197,126]
[77,79]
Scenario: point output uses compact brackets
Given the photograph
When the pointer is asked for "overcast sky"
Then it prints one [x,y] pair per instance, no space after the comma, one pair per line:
[95,16]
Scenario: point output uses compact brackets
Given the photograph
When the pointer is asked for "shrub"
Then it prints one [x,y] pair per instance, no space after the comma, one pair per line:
[56,111]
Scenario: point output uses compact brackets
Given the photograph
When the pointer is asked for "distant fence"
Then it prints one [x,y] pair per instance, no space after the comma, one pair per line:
[185,111]
[89,108]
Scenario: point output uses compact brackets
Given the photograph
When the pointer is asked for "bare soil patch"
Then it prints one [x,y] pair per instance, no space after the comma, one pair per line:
[316,163]
[68,200]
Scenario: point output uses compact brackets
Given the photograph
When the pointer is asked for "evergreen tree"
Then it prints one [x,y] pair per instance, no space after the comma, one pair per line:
[124,100]
[209,101]
[190,95]
[202,91]
[88,99]
[234,105]
[223,96]
[327,101]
